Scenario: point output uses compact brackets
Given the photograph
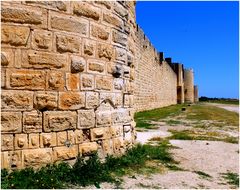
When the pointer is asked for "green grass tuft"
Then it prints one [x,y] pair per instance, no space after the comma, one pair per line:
[232,178]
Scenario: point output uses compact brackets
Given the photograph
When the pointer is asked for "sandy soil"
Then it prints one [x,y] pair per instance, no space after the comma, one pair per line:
[234,108]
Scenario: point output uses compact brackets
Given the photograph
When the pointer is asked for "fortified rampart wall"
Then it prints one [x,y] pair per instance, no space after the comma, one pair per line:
[156,81]
[66,76]
[188,86]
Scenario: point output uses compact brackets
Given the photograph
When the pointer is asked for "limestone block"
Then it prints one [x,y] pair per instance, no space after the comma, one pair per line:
[128,100]
[126,71]
[132,73]
[33,140]
[43,60]
[78,136]
[78,64]
[45,100]
[71,137]
[7,142]
[92,99]
[65,153]
[106,4]
[15,159]
[116,130]
[87,149]
[87,82]
[14,35]
[100,133]
[3,78]
[105,52]
[70,24]
[96,66]
[86,119]
[59,120]
[99,32]
[16,100]
[71,100]
[26,79]
[41,39]
[118,100]
[72,82]
[103,118]
[103,83]
[32,122]
[5,160]
[127,133]
[120,10]
[11,122]
[7,57]
[119,37]
[121,115]
[112,20]
[61,138]
[55,80]
[67,43]
[89,48]
[37,157]
[23,16]
[20,141]
[120,54]
[86,135]
[58,5]
[118,84]
[107,146]
[86,10]
[118,145]
[48,140]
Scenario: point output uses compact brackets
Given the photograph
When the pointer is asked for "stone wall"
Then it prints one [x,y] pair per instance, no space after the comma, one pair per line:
[155,81]
[188,86]
[67,80]
[196,99]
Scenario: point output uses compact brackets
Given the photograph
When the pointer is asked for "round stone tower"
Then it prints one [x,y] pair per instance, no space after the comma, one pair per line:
[188,86]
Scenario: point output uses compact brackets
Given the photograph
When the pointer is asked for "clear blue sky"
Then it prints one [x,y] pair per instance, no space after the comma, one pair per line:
[201,35]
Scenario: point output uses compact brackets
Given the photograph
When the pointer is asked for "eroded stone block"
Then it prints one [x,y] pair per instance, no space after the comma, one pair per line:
[105,52]
[92,99]
[20,141]
[86,10]
[87,149]
[11,122]
[103,83]
[72,82]
[61,138]
[86,118]
[67,43]
[103,118]
[96,66]
[7,142]
[32,122]
[87,82]
[78,64]
[100,32]
[71,100]
[33,140]
[42,39]
[89,48]
[45,100]
[55,80]
[48,140]
[100,133]
[65,153]
[59,120]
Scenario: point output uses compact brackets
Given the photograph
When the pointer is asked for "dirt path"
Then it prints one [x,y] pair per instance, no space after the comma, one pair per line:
[234,108]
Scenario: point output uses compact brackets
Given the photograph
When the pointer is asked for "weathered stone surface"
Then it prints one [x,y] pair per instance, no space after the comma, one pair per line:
[120,10]
[5,160]
[119,37]
[45,100]
[86,10]
[132,73]
[37,157]
[105,52]
[42,39]
[96,66]
[6,142]
[116,130]
[26,79]
[61,138]
[78,136]
[107,147]
[118,145]
[118,84]
[48,139]
[15,159]
[72,82]
[20,15]
[32,122]
[87,149]
[86,135]
[92,99]
[11,122]
[100,133]
[118,100]
[44,60]
[120,54]
[14,35]
[103,83]
[70,24]
[100,32]
[55,80]
[65,153]
[67,43]
[106,4]
[71,100]
[128,100]
[20,141]
[112,20]
[78,64]
[86,119]
[87,82]
[4,59]
[71,138]
[89,48]
[59,120]
[127,135]
[33,140]
[17,100]
[121,115]
[59,5]
[3,78]
[103,118]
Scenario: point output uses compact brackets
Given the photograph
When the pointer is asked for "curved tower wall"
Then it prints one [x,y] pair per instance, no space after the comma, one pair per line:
[188,86]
